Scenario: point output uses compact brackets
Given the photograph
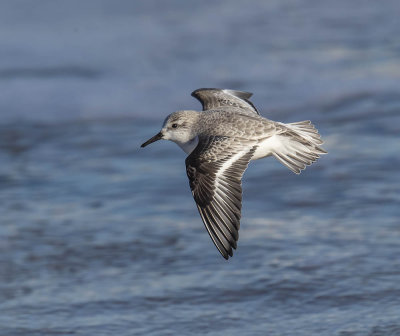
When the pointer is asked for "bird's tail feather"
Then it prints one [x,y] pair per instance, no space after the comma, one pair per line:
[299,145]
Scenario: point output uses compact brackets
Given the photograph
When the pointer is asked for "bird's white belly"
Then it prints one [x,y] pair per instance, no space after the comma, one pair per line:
[188,146]
[265,148]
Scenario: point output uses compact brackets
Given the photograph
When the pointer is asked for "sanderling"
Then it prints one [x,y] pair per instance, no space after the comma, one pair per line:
[221,140]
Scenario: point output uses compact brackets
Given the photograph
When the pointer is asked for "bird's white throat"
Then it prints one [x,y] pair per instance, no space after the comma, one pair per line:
[188,146]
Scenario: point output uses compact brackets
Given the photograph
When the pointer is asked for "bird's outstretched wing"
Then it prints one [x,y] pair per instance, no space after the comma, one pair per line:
[215,169]
[214,98]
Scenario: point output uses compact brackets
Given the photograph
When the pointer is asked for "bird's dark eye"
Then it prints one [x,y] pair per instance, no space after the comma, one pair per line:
[174,125]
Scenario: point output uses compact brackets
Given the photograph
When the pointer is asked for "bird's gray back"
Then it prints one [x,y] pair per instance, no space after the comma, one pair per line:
[232,123]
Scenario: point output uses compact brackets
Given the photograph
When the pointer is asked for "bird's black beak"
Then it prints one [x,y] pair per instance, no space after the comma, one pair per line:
[158,136]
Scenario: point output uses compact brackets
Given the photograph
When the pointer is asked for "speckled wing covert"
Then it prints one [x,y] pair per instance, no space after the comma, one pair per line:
[215,169]
[215,98]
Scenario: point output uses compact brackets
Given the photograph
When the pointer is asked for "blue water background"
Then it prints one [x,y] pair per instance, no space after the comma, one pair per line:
[99,237]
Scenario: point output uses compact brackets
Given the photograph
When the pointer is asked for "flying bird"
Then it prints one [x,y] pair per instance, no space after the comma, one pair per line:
[220,142]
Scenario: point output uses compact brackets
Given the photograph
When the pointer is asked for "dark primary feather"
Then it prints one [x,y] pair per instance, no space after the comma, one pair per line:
[219,196]
[214,98]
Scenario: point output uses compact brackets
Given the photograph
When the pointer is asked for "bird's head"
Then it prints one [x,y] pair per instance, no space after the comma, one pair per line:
[178,127]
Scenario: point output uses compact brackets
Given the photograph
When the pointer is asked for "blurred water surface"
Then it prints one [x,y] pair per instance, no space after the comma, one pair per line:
[98,236]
